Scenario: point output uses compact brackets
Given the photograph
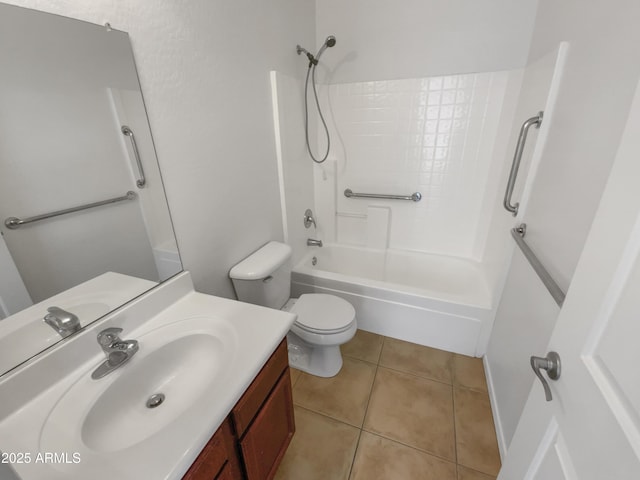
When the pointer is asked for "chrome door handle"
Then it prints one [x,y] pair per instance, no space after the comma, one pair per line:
[550,363]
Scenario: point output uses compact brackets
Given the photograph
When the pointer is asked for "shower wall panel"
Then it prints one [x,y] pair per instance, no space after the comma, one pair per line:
[431,135]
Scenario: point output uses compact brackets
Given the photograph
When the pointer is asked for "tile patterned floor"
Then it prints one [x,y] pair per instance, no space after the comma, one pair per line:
[396,411]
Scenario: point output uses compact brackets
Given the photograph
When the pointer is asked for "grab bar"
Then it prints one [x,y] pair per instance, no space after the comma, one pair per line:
[522,138]
[15,222]
[415,197]
[141,182]
[554,289]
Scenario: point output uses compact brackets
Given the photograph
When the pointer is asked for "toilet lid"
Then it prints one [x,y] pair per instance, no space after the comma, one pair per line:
[318,312]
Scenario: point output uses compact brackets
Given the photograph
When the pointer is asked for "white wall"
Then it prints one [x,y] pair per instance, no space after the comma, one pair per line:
[593,102]
[381,40]
[294,165]
[204,69]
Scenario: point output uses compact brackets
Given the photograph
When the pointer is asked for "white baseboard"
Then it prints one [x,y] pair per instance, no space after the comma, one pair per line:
[502,444]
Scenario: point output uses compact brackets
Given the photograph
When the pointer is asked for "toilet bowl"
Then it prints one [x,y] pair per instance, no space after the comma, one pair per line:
[324,321]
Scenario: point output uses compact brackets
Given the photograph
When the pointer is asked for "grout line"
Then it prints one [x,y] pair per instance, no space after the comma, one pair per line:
[366,408]
[293,384]
[381,348]
[326,415]
[455,426]
[476,471]
[432,454]
[359,359]
[476,390]
[355,452]
[416,376]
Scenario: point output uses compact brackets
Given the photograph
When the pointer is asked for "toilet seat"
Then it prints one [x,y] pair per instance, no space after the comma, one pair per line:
[323,314]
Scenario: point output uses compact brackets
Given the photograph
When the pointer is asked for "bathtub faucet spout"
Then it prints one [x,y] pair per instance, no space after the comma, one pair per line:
[312,242]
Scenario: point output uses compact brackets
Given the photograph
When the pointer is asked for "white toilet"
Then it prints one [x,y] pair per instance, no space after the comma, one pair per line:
[324,321]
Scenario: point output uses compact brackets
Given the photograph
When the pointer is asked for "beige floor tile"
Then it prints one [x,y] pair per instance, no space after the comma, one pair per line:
[295,374]
[417,359]
[476,442]
[469,372]
[321,449]
[343,397]
[465,473]
[411,410]
[378,458]
[364,346]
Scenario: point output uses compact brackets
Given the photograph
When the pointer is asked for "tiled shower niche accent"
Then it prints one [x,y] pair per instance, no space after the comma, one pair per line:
[432,135]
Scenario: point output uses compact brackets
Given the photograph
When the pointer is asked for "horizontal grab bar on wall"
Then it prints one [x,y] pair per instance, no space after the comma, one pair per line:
[522,138]
[14,222]
[414,197]
[556,292]
[126,131]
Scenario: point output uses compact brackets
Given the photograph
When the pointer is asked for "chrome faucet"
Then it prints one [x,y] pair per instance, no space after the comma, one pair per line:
[308,219]
[63,322]
[312,242]
[118,351]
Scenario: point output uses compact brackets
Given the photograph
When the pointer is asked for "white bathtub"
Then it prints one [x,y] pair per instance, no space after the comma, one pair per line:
[438,301]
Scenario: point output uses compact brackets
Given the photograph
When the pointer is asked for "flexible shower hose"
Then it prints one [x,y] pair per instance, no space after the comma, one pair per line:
[312,71]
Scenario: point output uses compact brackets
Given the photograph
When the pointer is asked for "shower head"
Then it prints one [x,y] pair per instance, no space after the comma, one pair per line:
[330,41]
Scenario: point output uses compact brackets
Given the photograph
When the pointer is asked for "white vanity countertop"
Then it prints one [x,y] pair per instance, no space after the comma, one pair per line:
[251,334]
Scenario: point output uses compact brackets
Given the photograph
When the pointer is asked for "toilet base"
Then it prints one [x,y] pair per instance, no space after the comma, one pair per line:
[319,360]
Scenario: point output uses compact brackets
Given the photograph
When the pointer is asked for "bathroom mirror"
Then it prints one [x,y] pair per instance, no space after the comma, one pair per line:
[83,215]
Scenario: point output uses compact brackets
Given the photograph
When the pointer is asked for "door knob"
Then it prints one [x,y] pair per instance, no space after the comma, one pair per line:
[550,363]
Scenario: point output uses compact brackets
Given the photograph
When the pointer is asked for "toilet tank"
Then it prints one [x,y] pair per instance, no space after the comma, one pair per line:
[264,277]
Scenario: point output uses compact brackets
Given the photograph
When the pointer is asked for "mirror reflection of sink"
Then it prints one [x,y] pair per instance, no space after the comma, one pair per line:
[24,334]
[181,361]
[89,309]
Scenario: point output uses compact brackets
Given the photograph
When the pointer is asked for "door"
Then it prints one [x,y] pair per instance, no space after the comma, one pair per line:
[591,428]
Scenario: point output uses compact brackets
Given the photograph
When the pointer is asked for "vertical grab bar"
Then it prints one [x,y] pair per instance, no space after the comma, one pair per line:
[141,182]
[522,138]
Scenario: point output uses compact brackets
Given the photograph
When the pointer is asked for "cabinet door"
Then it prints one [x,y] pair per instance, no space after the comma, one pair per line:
[218,452]
[248,406]
[267,439]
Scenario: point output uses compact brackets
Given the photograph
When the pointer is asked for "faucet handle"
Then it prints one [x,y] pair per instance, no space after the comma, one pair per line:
[108,336]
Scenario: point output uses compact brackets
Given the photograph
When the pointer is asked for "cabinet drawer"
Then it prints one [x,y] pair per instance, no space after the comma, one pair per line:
[254,397]
[266,441]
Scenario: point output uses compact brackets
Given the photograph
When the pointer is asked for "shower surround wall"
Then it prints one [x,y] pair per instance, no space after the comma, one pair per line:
[432,135]
[295,168]
[405,115]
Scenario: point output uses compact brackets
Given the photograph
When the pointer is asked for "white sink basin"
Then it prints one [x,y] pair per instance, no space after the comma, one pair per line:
[202,363]
[181,361]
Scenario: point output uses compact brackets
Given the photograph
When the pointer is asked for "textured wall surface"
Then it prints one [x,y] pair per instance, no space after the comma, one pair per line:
[204,69]
[382,40]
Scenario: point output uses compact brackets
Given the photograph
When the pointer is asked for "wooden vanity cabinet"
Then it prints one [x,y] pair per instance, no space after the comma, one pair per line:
[253,439]
[218,459]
